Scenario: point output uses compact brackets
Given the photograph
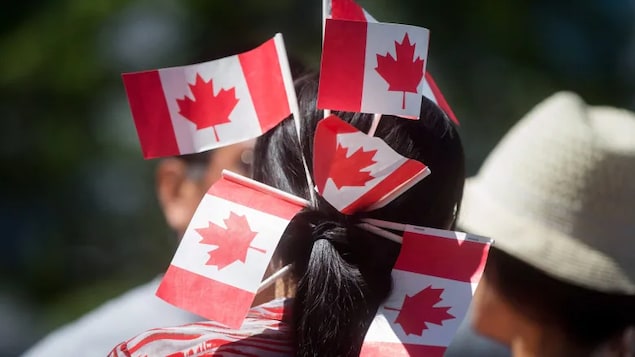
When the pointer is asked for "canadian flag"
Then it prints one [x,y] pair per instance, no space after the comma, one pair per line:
[345,10]
[356,172]
[188,109]
[434,279]
[373,67]
[350,10]
[227,246]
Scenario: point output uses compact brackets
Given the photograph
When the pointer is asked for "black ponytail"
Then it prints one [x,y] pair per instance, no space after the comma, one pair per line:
[343,273]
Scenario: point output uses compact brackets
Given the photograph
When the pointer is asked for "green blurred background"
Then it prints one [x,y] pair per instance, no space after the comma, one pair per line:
[79,220]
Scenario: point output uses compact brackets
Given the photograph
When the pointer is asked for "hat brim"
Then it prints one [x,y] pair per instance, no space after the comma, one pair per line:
[531,241]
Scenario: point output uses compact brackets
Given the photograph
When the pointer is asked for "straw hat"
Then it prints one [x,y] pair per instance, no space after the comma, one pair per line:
[558,192]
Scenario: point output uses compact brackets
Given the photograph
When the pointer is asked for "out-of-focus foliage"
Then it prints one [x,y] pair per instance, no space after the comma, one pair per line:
[79,219]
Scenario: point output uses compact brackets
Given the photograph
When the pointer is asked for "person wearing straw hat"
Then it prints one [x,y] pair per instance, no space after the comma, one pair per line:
[557,195]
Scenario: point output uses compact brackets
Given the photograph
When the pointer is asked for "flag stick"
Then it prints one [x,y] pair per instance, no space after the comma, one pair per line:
[309,181]
[435,231]
[259,186]
[374,125]
[273,277]
[385,224]
[380,232]
[295,109]
[326,4]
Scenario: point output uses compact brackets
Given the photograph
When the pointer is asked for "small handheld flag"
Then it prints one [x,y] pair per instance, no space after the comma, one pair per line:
[373,67]
[226,248]
[350,10]
[355,172]
[434,279]
[189,109]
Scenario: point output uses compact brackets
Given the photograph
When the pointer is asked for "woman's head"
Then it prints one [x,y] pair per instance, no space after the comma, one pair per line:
[432,140]
[523,307]
[342,272]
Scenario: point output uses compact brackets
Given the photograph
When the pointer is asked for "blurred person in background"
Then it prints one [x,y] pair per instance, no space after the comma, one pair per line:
[181,183]
[558,197]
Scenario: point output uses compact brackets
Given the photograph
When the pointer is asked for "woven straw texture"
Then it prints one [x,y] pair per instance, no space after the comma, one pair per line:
[558,192]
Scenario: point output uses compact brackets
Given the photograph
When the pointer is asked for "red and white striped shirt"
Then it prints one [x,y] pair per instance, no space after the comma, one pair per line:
[265,332]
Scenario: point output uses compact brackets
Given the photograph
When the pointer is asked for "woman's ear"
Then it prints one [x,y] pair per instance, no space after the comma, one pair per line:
[178,194]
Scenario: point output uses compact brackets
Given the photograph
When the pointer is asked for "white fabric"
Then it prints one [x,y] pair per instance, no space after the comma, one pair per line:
[97,332]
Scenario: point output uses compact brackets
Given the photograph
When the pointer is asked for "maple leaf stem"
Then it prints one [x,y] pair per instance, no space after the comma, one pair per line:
[403,101]
[216,132]
[258,249]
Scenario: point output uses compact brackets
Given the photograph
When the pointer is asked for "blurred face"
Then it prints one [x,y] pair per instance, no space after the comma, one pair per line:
[181,186]
[236,158]
[495,317]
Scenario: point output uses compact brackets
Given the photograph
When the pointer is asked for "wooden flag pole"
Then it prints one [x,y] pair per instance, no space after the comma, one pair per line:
[380,232]
[326,11]
[295,111]
[385,224]
[273,277]
[374,125]
[380,224]
[259,186]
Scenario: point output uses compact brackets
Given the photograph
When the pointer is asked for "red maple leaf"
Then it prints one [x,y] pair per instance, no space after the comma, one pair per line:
[233,241]
[419,310]
[347,171]
[206,109]
[404,73]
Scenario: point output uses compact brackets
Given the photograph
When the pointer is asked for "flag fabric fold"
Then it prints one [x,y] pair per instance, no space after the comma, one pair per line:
[356,172]
[189,109]
[434,280]
[350,10]
[226,249]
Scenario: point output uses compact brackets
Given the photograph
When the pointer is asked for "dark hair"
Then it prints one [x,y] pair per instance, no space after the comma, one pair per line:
[588,318]
[343,272]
